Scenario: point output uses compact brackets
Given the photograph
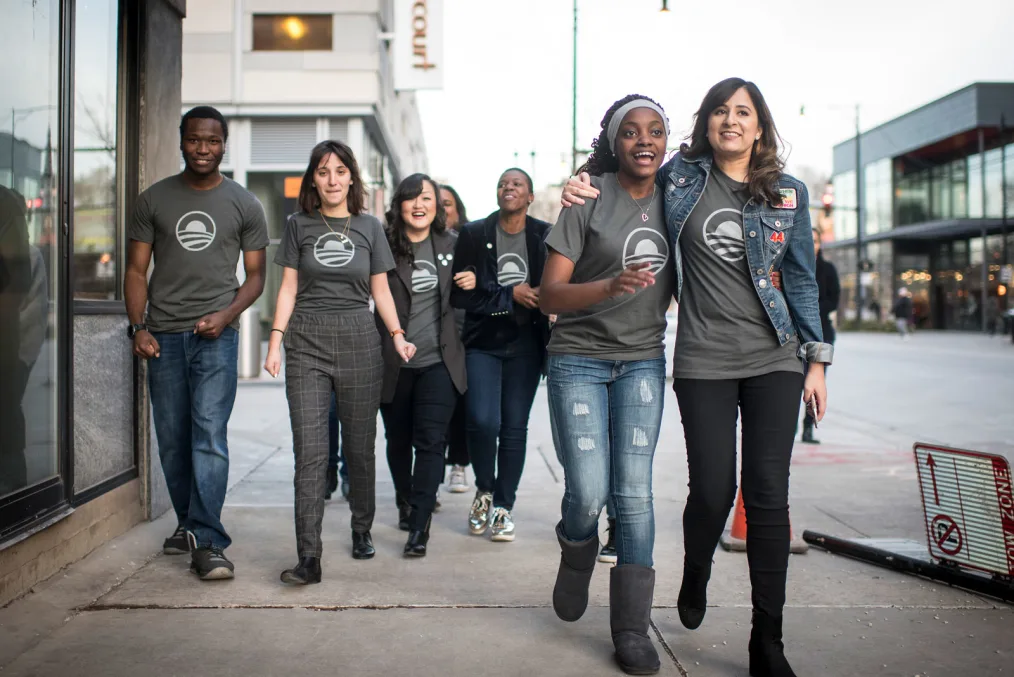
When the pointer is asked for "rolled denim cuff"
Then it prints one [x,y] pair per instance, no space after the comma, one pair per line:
[816,352]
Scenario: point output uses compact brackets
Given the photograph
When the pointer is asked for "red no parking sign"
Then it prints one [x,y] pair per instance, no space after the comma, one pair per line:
[968,503]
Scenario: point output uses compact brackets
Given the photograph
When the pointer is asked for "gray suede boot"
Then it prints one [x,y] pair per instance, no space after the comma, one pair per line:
[577,563]
[631,590]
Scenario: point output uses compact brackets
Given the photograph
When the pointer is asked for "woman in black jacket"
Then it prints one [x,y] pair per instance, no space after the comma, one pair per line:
[829,289]
[418,397]
[505,338]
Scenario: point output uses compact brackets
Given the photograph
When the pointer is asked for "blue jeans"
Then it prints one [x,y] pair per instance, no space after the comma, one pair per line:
[607,416]
[501,389]
[193,389]
[335,458]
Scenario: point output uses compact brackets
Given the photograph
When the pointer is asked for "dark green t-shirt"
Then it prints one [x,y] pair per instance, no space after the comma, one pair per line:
[723,330]
[196,238]
[602,237]
[334,264]
[424,315]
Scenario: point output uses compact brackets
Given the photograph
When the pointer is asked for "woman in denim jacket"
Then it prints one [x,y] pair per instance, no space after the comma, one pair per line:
[743,348]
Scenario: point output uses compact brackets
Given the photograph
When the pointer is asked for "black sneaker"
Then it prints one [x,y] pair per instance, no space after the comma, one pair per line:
[608,552]
[178,543]
[332,483]
[211,564]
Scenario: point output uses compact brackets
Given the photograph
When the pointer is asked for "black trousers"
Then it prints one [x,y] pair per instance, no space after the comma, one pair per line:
[768,405]
[417,417]
[457,442]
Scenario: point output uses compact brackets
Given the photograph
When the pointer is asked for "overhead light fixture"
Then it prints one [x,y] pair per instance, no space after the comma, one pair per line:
[294,27]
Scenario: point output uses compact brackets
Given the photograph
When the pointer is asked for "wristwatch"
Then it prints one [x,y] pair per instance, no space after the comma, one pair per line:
[134,328]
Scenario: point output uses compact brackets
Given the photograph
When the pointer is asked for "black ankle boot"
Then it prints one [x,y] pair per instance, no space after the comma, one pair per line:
[415,546]
[631,590]
[692,602]
[808,437]
[332,483]
[404,513]
[362,545]
[304,573]
[577,563]
[767,653]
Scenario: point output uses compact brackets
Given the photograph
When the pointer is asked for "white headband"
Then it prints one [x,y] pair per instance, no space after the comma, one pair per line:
[617,119]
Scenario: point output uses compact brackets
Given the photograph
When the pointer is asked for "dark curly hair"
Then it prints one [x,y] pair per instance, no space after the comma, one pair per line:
[309,199]
[409,189]
[602,160]
[766,162]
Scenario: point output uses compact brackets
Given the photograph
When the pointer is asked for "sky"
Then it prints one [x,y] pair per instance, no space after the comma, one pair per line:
[507,85]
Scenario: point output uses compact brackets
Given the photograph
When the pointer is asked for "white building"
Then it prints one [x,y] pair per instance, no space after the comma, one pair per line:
[290,73]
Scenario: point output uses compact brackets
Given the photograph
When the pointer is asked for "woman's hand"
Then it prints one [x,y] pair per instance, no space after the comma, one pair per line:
[273,363]
[814,386]
[776,280]
[631,279]
[405,349]
[465,280]
[578,187]
[526,295]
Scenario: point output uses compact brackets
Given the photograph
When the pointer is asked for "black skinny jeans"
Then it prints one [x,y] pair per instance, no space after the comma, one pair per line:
[768,405]
[418,416]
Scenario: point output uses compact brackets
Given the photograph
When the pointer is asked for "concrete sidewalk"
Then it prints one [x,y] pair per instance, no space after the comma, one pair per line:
[476,607]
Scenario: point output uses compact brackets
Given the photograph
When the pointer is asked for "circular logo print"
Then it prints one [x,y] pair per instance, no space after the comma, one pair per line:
[333,250]
[195,231]
[424,277]
[724,234]
[512,269]
[646,245]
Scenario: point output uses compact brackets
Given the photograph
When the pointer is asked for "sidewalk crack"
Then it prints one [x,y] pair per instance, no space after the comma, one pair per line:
[668,650]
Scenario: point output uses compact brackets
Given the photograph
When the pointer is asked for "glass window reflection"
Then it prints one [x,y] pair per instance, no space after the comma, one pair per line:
[95,87]
[28,249]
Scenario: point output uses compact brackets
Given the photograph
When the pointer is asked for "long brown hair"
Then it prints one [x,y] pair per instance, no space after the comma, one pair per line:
[409,189]
[309,200]
[766,162]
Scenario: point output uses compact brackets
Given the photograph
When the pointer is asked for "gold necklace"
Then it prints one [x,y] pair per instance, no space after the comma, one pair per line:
[345,231]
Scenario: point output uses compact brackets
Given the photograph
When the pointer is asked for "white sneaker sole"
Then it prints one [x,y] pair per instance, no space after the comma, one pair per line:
[607,559]
[477,532]
[217,574]
[502,538]
[458,489]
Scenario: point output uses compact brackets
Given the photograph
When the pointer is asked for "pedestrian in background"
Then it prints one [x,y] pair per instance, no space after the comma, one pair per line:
[419,397]
[740,345]
[505,338]
[185,323]
[334,256]
[337,468]
[457,444]
[829,291]
[610,280]
[903,312]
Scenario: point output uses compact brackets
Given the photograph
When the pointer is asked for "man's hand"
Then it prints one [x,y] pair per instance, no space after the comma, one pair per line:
[578,187]
[631,279]
[526,295]
[211,326]
[145,345]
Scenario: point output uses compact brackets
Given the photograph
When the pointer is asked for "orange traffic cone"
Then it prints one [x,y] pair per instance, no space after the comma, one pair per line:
[734,538]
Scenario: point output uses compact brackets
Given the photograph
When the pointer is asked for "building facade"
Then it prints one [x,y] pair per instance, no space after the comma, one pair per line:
[89,101]
[290,73]
[935,189]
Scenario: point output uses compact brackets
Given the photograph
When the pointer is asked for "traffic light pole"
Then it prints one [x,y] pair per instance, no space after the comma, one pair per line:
[859,228]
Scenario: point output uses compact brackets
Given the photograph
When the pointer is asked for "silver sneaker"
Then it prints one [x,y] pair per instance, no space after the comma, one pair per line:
[501,524]
[458,483]
[478,515]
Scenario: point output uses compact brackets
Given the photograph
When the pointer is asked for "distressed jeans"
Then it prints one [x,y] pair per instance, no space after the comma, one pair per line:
[193,389]
[606,418]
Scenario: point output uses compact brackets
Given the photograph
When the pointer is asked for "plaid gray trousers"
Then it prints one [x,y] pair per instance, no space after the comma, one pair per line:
[339,353]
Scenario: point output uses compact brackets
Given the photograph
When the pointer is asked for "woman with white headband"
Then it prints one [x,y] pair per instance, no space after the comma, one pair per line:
[610,280]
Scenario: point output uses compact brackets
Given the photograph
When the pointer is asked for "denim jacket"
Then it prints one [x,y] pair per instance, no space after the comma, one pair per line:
[776,239]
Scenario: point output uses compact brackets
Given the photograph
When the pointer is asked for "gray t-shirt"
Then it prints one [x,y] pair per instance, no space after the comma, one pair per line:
[334,264]
[424,314]
[602,237]
[196,238]
[512,266]
[723,331]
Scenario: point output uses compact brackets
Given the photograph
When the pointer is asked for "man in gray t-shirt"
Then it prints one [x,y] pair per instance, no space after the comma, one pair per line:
[721,319]
[424,314]
[195,226]
[602,237]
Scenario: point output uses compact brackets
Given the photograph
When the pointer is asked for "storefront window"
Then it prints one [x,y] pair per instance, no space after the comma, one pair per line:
[877,197]
[959,189]
[95,87]
[975,187]
[912,196]
[994,184]
[29,270]
[844,206]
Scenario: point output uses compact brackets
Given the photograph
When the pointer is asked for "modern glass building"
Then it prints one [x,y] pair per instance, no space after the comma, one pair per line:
[936,188]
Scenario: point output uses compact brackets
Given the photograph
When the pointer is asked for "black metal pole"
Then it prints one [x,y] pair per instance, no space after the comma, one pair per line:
[1003,196]
[573,102]
[859,227]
